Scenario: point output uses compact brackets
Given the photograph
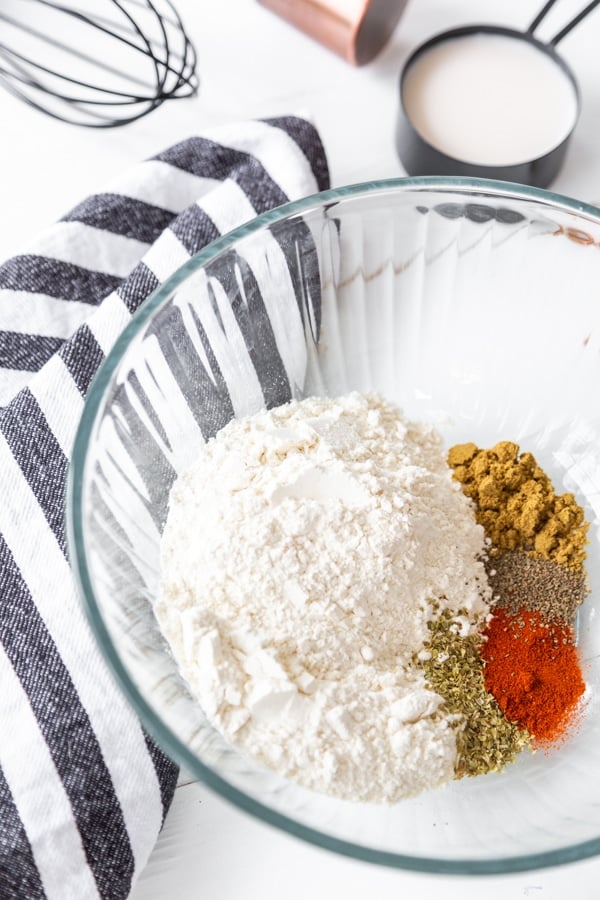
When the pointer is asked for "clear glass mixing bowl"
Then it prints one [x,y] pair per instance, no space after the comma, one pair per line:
[474,305]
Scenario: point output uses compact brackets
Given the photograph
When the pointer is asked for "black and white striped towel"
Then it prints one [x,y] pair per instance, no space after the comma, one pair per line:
[83,790]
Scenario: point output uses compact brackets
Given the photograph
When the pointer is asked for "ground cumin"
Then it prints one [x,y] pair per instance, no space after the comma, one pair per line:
[517,506]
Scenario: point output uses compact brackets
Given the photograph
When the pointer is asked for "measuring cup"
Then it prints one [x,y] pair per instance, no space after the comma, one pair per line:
[489,102]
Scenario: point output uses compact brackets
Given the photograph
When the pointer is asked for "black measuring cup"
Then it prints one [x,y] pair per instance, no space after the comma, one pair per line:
[422,155]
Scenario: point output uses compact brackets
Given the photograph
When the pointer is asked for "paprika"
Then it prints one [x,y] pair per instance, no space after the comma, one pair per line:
[532,669]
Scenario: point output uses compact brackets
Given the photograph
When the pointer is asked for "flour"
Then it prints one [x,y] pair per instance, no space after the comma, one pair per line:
[304,553]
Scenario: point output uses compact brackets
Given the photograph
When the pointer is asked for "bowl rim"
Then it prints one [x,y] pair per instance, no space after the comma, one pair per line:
[150,719]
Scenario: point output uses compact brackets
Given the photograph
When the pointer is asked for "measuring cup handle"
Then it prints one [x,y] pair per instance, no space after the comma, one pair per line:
[568,27]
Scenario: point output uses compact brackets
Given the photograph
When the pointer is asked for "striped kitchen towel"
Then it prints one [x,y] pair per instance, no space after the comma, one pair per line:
[83,790]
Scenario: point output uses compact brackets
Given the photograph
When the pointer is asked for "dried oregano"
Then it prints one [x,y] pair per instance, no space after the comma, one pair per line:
[486,741]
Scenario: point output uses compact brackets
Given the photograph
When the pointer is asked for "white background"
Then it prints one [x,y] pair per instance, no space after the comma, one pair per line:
[253,64]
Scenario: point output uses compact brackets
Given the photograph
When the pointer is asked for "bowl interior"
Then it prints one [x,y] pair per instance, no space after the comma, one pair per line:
[473,306]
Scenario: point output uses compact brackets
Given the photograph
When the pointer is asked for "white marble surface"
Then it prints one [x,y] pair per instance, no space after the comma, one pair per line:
[253,64]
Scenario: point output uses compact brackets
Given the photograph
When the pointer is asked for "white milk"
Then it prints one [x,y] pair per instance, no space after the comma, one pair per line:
[490,100]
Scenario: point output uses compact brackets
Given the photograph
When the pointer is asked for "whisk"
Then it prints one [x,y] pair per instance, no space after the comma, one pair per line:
[98,63]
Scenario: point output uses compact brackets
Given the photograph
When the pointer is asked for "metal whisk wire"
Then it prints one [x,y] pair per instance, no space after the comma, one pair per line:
[157,59]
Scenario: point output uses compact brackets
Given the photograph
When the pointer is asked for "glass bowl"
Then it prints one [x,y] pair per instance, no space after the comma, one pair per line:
[474,305]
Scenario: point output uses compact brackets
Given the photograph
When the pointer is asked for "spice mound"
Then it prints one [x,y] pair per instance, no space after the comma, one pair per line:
[532,669]
[487,740]
[516,503]
[536,571]
[307,554]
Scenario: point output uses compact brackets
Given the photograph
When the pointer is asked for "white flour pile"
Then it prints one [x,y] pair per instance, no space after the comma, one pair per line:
[301,558]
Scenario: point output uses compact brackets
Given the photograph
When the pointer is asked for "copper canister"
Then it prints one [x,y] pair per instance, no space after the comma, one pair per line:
[354,29]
